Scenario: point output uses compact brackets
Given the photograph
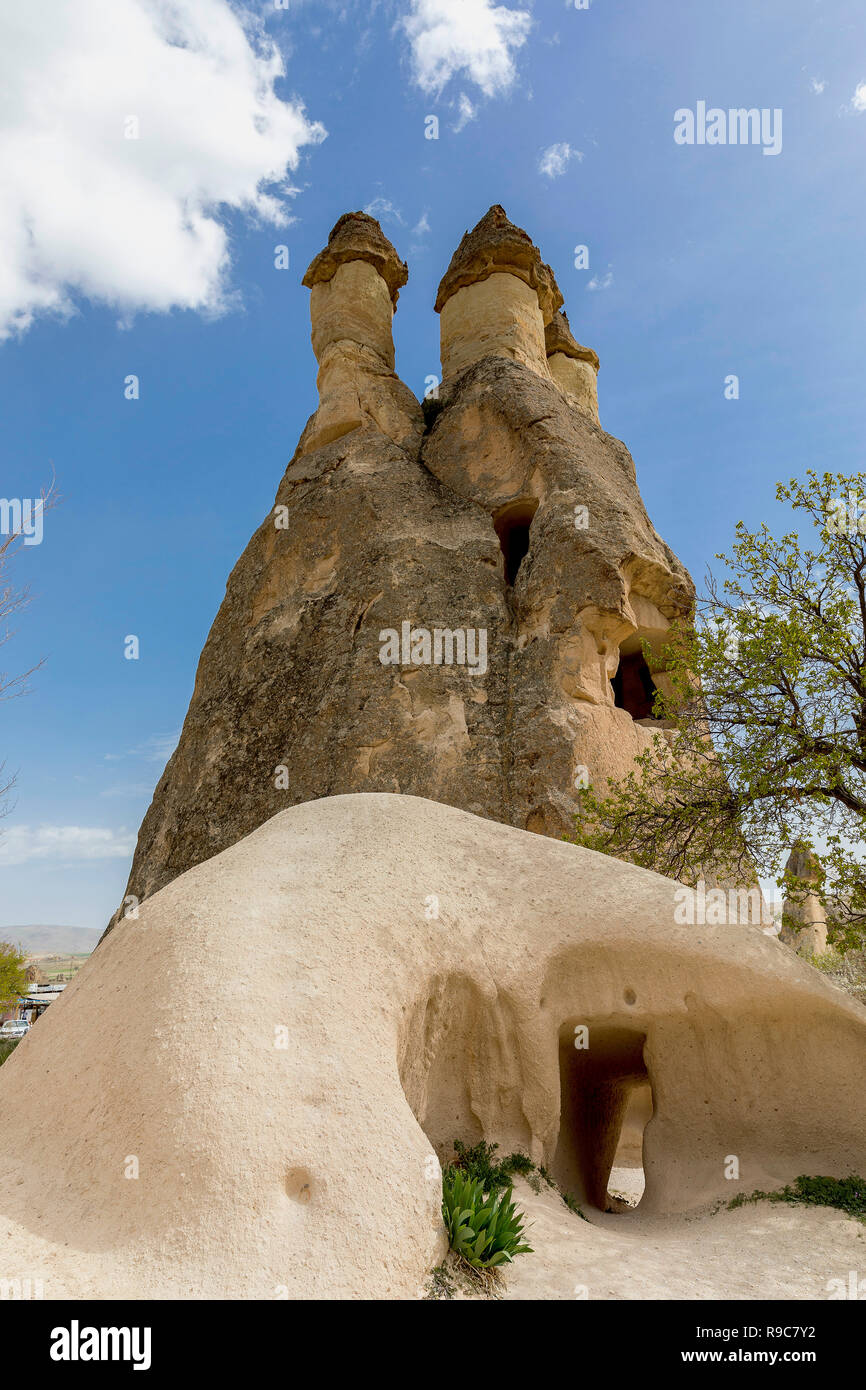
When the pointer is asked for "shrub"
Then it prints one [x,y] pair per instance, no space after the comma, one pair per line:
[6,1048]
[848,970]
[479,1163]
[485,1231]
[846,1194]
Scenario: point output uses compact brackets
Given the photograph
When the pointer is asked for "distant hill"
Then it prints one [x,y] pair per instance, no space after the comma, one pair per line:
[53,940]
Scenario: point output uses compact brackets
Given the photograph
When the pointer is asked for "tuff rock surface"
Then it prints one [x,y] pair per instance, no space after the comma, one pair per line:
[409,974]
[389,515]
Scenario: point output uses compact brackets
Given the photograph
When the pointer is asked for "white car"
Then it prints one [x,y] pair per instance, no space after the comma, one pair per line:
[14,1028]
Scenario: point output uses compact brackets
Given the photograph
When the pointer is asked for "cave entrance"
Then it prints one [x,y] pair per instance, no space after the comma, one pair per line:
[606,1102]
[634,689]
[512,527]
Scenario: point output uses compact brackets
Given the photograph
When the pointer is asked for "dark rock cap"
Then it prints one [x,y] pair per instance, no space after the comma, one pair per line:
[558,337]
[358,237]
[495,245]
[802,863]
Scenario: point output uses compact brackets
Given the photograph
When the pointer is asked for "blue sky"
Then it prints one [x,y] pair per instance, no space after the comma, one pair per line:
[704,261]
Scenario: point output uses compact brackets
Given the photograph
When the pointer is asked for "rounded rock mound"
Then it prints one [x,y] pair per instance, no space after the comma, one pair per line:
[249,1088]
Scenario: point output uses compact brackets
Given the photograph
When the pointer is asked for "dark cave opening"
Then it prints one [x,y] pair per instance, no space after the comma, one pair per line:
[634,689]
[512,527]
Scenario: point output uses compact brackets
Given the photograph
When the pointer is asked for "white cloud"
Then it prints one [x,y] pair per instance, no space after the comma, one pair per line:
[130,790]
[466,112]
[475,37]
[158,748]
[554,161]
[422,226]
[604,283]
[63,844]
[385,211]
[419,232]
[817,86]
[134,223]
[859,99]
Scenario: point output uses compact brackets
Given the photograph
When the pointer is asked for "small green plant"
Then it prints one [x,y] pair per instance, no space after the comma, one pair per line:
[519,1163]
[483,1230]
[441,1285]
[573,1205]
[846,1194]
[6,1048]
[479,1163]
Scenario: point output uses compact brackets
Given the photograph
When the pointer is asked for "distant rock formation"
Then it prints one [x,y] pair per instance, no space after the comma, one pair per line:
[440,598]
[804,918]
[47,941]
[289,1038]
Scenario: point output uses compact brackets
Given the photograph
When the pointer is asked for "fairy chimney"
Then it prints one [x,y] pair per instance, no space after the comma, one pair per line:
[574,368]
[355,283]
[450,603]
[495,298]
[804,918]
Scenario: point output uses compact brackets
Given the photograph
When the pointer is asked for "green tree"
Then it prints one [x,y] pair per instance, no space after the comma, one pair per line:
[762,739]
[13,979]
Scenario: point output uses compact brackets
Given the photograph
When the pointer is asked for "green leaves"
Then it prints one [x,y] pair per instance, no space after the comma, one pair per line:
[13,980]
[846,1194]
[479,1161]
[485,1232]
[763,696]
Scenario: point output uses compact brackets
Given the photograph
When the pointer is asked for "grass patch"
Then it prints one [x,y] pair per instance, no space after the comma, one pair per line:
[845,1194]
[6,1048]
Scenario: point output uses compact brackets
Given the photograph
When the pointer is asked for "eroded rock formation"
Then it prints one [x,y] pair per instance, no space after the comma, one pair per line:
[804,919]
[409,974]
[573,368]
[506,516]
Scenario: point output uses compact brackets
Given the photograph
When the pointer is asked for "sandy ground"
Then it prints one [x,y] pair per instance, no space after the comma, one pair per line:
[756,1252]
[764,1251]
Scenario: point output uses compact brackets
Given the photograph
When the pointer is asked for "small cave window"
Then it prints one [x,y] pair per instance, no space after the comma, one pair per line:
[512,527]
[634,689]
